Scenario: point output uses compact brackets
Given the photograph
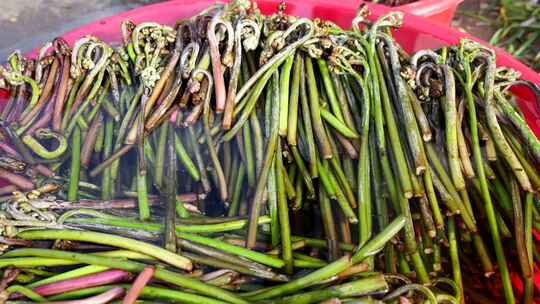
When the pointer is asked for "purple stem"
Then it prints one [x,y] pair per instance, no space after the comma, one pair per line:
[119,203]
[103,298]
[9,189]
[45,118]
[10,274]
[9,149]
[17,108]
[142,279]
[91,280]
[16,242]
[18,180]
[99,204]
[20,101]
[172,119]
[43,170]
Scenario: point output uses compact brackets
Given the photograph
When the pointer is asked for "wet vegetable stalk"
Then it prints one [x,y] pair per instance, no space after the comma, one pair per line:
[242,158]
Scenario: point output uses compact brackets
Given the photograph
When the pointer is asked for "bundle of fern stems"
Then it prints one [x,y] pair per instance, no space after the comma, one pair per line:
[243,158]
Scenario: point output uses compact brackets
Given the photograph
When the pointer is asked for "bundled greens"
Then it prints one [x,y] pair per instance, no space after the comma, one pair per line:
[243,158]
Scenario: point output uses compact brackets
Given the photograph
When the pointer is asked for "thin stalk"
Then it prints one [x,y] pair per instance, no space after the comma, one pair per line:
[140,282]
[248,154]
[284,86]
[61,96]
[237,191]
[361,287]
[257,140]
[108,239]
[75,165]
[161,274]
[490,211]
[344,182]
[142,191]
[421,117]
[454,202]
[318,127]
[407,113]
[160,155]
[307,126]
[293,100]
[184,158]
[222,183]
[394,137]
[283,213]
[339,126]
[199,159]
[369,249]
[237,250]
[220,255]
[528,294]
[90,140]
[272,201]
[263,176]
[464,154]
[170,195]
[519,230]
[451,132]
[303,171]
[454,257]
[334,191]
[329,89]
[329,225]
[106,182]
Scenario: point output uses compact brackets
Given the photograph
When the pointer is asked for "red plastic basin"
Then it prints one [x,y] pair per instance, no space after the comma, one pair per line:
[441,11]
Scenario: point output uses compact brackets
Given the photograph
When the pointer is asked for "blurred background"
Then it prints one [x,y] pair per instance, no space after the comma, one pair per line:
[26,24]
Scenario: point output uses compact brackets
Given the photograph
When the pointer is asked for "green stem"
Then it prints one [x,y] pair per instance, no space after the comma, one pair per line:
[248,154]
[293,100]
[329,89]
[394,137]
[284,85]
[29,293]
[75,273]
[334,191]
[454,257]
[328,224]
[184,158]
[356,288]
[338,125]
[528,294]
[237,191]
[75,167]
[108,239]
[160,155]
[490,211]
[142,194]
[106,180]
[240,251]
[369,249]
[283,213]
[326,149]
[148,292]
[263,176]
[160,274]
